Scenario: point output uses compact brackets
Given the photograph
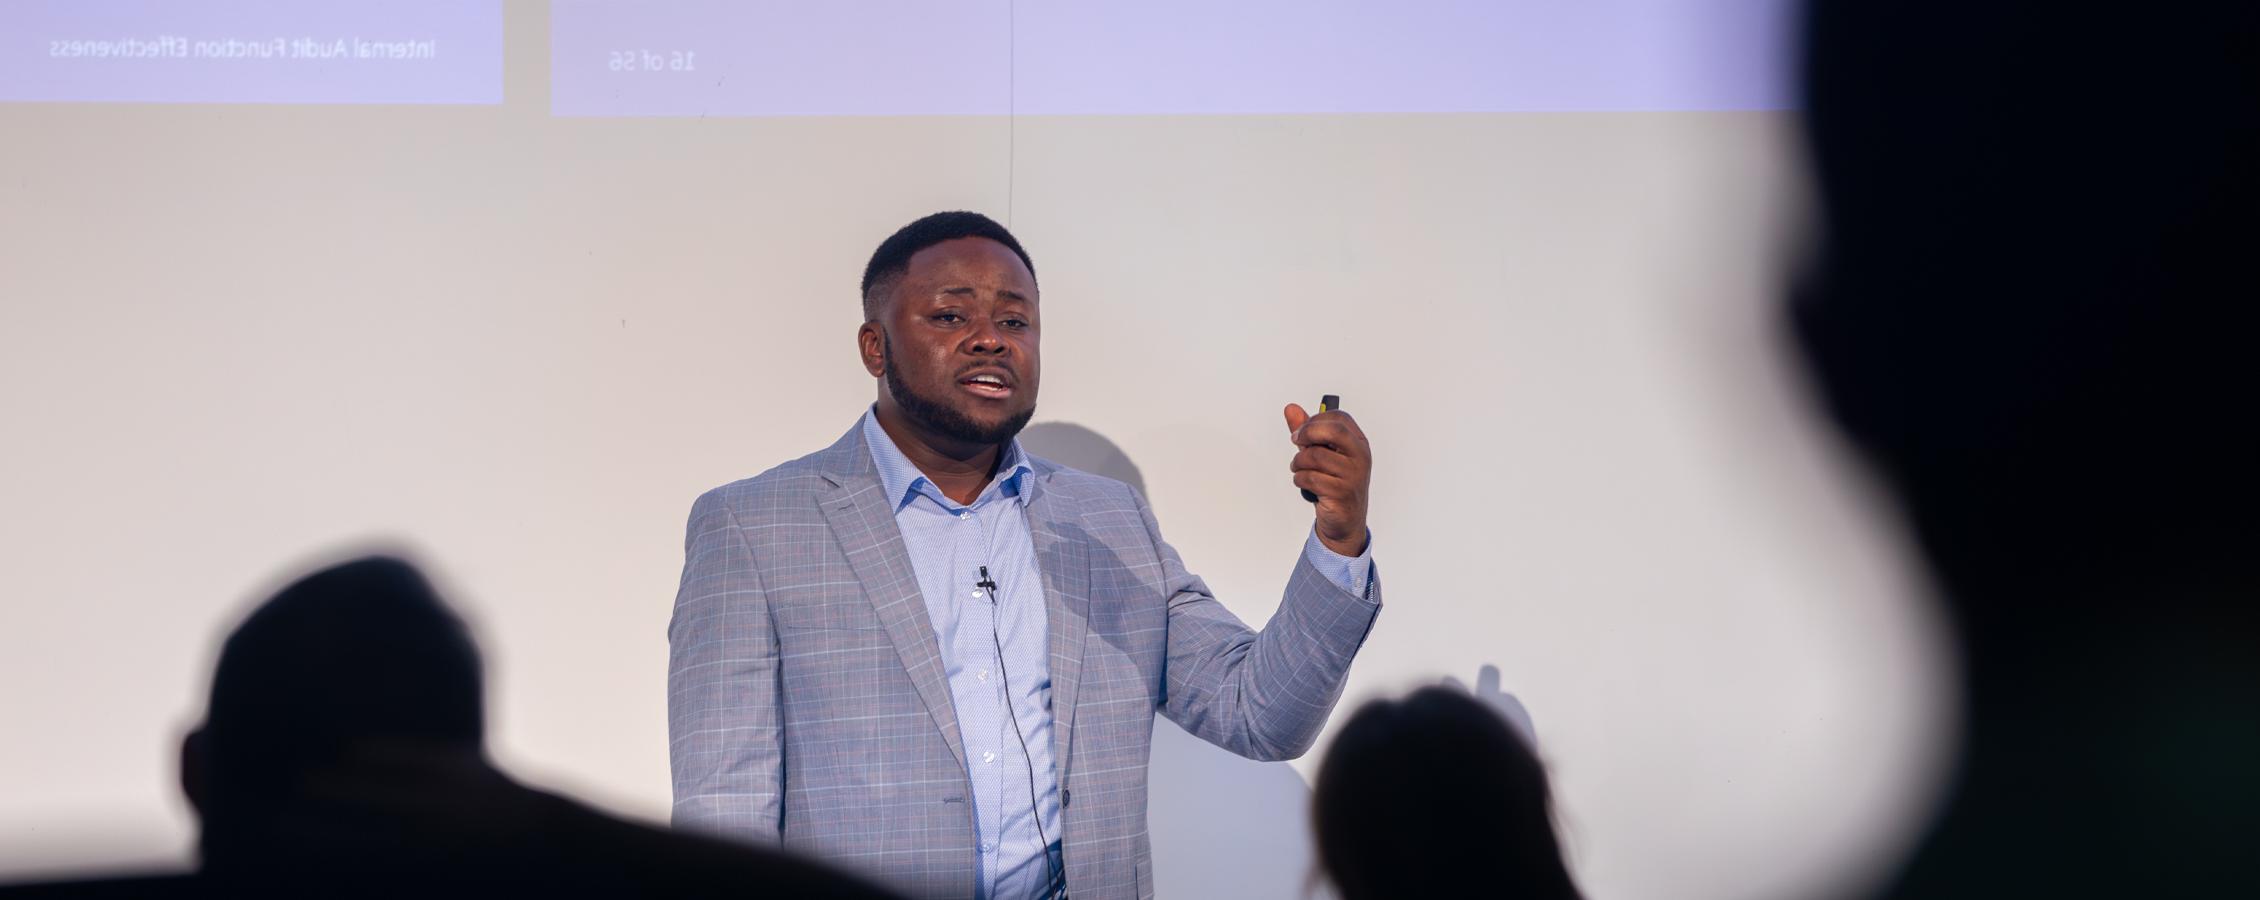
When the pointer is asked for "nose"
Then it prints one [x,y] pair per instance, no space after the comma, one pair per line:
[986,340]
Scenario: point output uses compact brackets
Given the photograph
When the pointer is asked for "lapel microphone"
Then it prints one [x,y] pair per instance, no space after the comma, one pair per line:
[987,584]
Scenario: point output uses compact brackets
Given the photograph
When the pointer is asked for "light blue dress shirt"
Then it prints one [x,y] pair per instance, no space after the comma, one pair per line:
[995,648]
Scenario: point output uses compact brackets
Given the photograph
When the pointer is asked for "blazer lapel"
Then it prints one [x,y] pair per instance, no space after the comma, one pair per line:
[1063,558]
[863,520]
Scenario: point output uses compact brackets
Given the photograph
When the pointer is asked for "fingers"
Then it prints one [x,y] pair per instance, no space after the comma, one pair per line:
[1333,428]
[1333,463]
[1324,485]
[1323,459]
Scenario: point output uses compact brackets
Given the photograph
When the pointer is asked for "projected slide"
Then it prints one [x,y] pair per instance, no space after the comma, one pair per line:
[779,57]
[251,51]
[1151,57]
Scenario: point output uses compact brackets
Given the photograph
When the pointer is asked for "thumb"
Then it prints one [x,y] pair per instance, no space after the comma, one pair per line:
[1296,417]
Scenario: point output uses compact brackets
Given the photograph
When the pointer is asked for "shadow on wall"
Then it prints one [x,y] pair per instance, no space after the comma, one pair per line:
[1222,826]
[1508,706]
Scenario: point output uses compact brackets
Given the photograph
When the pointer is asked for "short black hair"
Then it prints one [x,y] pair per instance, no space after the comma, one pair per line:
[892,259]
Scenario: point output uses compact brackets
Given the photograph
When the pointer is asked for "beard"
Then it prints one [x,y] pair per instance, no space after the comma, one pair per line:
[940,417]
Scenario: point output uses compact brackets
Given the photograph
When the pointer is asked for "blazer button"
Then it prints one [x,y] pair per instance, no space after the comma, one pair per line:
[1064,796]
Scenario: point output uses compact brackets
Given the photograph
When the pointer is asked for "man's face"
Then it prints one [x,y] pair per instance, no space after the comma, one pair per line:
[957,342]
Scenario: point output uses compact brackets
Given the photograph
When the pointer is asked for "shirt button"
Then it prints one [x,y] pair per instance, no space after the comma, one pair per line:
[965,515]
[982,675]
[988,757]
[976,593]
[988,846]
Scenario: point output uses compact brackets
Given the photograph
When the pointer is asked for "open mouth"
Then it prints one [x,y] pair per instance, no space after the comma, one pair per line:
[985,385]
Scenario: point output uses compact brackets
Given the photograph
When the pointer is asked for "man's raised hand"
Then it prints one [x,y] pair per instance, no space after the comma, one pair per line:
[1333,460]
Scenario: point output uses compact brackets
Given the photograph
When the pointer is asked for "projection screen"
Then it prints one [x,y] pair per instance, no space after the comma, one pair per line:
[506,285]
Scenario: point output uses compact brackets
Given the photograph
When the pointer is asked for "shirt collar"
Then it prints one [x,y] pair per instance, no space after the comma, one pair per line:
[902,481]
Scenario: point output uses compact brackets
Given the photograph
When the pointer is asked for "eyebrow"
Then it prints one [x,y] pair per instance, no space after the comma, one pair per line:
[1008,293]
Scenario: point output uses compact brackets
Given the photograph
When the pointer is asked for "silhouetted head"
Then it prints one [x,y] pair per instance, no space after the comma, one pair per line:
[356,654]
[1434,796]
[2036,326]
[2030,311]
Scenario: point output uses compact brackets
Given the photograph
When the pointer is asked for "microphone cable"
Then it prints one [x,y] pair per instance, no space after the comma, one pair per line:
[1058,886]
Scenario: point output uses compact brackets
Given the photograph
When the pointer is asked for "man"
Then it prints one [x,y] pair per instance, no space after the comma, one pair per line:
[927,655]
[343,756]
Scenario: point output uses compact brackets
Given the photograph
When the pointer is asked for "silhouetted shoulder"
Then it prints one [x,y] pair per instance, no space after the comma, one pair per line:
[598,854]
[183,885]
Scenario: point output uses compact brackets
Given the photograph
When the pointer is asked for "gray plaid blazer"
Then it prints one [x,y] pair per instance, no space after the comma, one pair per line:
[806,702]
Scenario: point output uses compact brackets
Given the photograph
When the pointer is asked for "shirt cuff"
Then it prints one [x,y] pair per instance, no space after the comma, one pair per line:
[1350,573]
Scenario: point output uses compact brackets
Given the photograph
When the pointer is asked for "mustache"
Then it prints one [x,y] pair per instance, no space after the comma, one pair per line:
[887,352]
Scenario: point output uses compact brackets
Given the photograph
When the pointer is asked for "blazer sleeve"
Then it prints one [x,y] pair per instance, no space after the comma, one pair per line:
[725,738]
[1263,695]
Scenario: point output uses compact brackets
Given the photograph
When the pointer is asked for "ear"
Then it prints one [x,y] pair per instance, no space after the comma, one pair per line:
[193,780]
[871,344]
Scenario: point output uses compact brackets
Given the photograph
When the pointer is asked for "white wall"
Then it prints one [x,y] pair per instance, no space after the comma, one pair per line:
[239,338]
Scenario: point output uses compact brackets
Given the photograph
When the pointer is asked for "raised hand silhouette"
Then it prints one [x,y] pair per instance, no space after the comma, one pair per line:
[1508,706]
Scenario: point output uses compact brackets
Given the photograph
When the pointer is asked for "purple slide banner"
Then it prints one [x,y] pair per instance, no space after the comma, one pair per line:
[1164,57]
[251,51]
[780,58]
